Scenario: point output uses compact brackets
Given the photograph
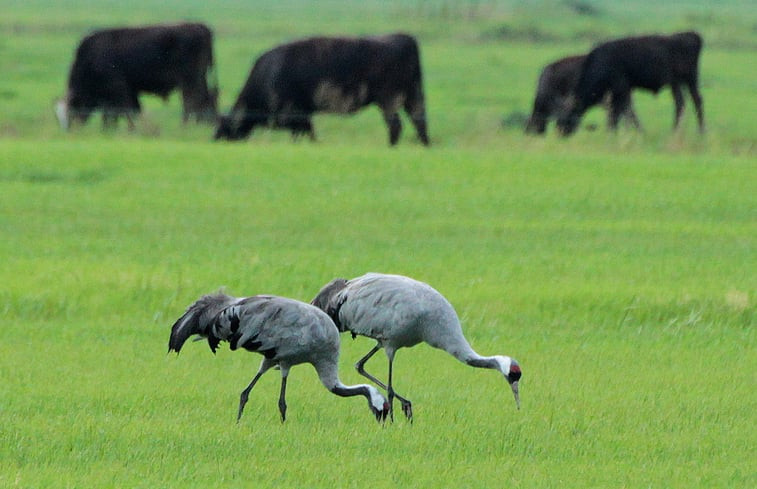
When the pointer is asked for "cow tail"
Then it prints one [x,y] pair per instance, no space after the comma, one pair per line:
[211,74]
[416,105]
[211,77]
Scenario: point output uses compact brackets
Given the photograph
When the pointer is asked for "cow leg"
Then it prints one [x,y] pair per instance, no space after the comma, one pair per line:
[131,115]
[110,119]
[630,114]
[299,125]
[133,109]
[189,104]
[536,124]
[123,103]
[678,99]
[416,110]
[543,109]
[306,127]
[197,103]
[186,113]
[130,120]
[310,131]
[697,98]
[392,119]
[618,105]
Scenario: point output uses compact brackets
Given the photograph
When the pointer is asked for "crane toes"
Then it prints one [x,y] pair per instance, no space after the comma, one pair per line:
[407,408]
[242,402]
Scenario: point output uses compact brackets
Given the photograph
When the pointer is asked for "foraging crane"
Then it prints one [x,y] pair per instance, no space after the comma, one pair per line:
[285,331]
[399,312]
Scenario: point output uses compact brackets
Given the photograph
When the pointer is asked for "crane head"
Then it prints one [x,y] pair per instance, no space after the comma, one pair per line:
[378,404]
[511,370]
[513,377]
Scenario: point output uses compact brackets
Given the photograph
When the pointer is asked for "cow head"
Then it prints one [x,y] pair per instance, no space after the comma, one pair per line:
[224,130]
[570,113]
[537,124]
[230,127]
[61,112]
[71,110]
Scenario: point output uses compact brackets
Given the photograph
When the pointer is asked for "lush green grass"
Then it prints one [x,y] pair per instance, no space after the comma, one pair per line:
[618,269]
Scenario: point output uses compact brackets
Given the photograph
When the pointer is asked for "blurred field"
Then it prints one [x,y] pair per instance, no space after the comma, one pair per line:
[619,269]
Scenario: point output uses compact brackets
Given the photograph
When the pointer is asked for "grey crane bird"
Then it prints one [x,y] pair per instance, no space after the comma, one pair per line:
[399,312]
[285,331]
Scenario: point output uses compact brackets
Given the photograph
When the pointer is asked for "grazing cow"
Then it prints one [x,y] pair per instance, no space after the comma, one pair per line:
[554,89]
[648,62]
[330,74]
[113,66]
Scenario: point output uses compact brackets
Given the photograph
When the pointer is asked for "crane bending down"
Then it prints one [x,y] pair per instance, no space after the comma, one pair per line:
[285,331]
[399,312]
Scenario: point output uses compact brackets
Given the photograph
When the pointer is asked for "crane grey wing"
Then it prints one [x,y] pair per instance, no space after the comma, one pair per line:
[242,323]
[369,306]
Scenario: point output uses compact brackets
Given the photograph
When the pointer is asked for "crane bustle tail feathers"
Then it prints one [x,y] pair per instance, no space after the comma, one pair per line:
[198,319]
[329,300]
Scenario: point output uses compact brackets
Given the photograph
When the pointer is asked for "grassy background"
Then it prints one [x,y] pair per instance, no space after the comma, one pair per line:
[618,269]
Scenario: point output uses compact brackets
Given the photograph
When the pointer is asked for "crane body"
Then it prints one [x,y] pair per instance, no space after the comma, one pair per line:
[400,312]
[285,331]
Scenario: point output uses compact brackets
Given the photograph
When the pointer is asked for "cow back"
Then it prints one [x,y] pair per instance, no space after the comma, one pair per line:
[154,59]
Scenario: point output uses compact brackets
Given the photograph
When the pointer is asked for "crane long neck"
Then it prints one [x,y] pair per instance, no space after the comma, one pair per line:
[351,390]
[484,362]
[330,379]
[468,356]
[453,341]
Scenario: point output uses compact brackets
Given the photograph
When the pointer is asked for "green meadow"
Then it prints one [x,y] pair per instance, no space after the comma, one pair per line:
[620,269]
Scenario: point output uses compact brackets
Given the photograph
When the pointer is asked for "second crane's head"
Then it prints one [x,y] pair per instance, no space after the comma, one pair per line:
[511,370]
[378,403]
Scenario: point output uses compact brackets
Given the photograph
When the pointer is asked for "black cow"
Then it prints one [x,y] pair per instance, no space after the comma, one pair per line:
[330,74]
[557,82]
[648,62]
[113,66]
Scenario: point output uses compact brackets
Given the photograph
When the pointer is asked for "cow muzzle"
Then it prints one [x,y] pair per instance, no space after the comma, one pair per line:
[61,111]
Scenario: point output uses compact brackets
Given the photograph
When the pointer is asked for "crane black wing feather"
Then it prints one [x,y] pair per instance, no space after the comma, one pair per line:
[199,319]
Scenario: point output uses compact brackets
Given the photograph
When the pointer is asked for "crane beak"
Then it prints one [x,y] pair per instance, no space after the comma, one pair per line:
[382,414]
[513,376]
[514,387]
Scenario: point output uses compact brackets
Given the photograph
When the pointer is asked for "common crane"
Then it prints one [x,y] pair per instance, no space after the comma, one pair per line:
[398,312]
[285,331]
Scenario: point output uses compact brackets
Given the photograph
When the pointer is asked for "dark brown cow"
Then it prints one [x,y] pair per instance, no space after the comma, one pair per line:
[648,62]
[113,66]
[553,94]
[330,74]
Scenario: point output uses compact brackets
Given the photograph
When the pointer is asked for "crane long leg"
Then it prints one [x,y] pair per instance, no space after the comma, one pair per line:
[407,406]
[264,366]
[390,391]
[282,401]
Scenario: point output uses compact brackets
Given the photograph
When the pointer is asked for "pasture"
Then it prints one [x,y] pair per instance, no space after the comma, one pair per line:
[619,269]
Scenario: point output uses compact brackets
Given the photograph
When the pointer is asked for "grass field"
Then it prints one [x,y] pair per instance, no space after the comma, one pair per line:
[619,269]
